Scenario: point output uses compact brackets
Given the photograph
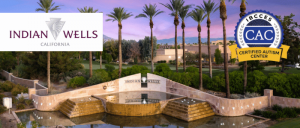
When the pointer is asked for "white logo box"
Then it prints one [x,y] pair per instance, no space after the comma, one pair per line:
[37,31]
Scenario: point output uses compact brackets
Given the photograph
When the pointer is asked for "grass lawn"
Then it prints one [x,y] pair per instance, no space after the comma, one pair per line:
[270,69]
[292,123]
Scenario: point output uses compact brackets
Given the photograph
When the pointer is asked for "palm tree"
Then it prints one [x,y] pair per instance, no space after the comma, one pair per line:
[223,16]
[150,12]
[119,15]
[47,6]
[243,13]
[209,7]
[199,15]
[89,10]
[175,6]
[183,14]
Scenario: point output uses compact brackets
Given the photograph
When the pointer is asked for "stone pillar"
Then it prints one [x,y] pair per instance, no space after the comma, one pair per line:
[9,76]
[269,93]
[30,92]
[34,83]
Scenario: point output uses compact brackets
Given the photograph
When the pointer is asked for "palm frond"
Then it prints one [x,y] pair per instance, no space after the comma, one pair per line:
[119,14]
[87,10]
[209,7]
[198,15]
[174,6]
[47,5]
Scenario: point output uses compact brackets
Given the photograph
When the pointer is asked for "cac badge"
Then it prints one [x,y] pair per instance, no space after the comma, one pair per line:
[259,36]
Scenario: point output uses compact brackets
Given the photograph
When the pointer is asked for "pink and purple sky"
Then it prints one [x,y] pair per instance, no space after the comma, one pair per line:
[163,24]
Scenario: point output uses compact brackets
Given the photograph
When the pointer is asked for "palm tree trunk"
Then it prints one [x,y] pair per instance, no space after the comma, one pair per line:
[91,67]
[243,9]
[176,55]
[120,50]
[48,71]
[183,48]
[152,63]
[208,44]
[200,58]
[226,60]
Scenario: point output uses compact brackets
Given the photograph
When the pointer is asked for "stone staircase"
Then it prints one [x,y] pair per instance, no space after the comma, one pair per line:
[188,109]
[81,107]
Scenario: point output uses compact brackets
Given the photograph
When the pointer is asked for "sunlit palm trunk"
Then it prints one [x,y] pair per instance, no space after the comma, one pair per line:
[91,67]
[176,54]
[48,71]
[200,58]
[120,50]
[152,63]
[243,9]
[183,48]
[226,60]
[208,44]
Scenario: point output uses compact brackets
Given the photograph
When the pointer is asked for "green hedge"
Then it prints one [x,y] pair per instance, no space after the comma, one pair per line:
[77,81]
[286,85]
[99,76]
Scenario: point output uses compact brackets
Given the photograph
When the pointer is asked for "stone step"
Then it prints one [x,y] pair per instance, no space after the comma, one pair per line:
[175,112]
[186,106]
[188,109]
[188,112]
[81,107]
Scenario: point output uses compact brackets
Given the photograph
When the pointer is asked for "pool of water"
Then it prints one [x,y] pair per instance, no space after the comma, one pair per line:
[137,97]
[104,120]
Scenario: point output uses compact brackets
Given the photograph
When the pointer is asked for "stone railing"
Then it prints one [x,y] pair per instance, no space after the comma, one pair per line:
[33,86]
[41,90]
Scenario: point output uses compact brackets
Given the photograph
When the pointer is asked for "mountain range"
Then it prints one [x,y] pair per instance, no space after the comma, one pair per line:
[179,40]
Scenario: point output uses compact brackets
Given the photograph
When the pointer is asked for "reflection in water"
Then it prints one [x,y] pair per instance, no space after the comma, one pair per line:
[105,120]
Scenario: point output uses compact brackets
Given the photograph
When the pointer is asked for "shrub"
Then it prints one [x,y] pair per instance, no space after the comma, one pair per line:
[21,125]
[236,82]
[1,98]
[162,61]
[251,95]
[7,86]
[162,68]
[15,100]
[28,102]
[21,100]
[297,110]
[34,124]
[20,106]
[289,112]
[256,82]
[18,89]
[114,74]
[294,85]
[77,81]
[218,84]
[134,70]
[280,84]
[278,115]
[2,109]
[192,70]
[267,114]
[276,107]
[257,112]
[109,68]
[235,96]
[99,76]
